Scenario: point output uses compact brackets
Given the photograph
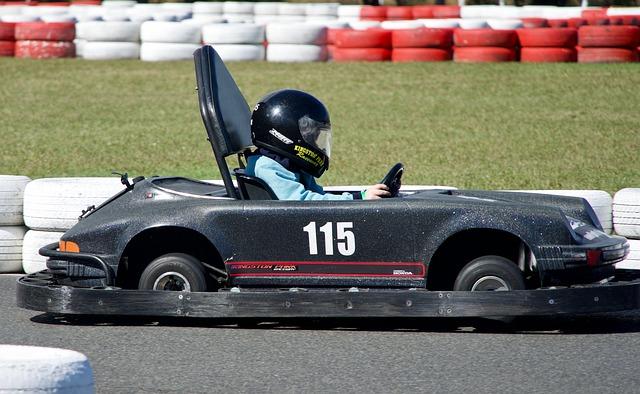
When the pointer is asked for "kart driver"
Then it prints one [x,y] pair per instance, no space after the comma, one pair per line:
[292,131]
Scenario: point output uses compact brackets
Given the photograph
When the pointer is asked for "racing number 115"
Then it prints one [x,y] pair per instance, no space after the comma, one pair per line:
[345,239]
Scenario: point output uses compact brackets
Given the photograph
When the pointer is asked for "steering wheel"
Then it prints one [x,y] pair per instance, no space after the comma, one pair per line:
[393,179]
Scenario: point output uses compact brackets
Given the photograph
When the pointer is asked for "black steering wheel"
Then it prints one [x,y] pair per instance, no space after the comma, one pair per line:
[393,179]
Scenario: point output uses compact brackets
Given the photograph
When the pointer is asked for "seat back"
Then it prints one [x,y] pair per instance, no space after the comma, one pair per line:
[253,188]
[224,111]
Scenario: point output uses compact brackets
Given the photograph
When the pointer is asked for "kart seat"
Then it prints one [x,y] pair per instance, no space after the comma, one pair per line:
[253,188]
[225,112]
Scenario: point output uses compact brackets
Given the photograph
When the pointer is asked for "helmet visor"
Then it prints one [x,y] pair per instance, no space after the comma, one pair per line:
[316,134]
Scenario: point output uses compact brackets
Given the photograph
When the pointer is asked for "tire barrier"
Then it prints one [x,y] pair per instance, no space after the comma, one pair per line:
[54,204]
[421,45]
[31,369]
[626,212]
[236,33]
[41,40]
[101,50]
[11,199]
[33,240]
[632,262]
[296,53]
[163,41]
[11,248]
[608,44]
[548,45]
[108,40]
[369,45]
[484,45]
[296,42]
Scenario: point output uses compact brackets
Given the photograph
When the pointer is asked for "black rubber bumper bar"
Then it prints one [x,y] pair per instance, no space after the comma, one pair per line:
[41,293]
[91,260]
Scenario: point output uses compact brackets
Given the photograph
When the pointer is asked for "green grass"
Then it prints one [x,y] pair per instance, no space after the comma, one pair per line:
[473,126]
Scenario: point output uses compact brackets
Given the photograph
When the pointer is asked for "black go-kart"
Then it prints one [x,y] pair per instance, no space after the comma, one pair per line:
[171,246]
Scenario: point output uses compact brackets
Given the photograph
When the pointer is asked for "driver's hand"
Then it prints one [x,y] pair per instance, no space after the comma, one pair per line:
[377,191]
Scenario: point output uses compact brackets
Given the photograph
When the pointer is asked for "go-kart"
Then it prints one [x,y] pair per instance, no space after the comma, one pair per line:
[171,246]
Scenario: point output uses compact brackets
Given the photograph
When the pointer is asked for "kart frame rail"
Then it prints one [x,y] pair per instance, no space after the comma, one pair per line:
[39,292]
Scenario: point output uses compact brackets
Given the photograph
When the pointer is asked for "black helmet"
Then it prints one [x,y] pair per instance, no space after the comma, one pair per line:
[295,125]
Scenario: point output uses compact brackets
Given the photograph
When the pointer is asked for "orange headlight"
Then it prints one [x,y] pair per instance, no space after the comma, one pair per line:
[68,246]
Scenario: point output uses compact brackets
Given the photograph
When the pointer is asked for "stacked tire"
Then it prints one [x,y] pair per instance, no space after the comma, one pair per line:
[608,44]
[7,39]
[296,42]
[626,222]
[484,45]
[41,40]
[321,11]
[109,40]
[369,45]
[12,228]
[548,45]
[168,41]
[422,45]
[238,11]
[236,41]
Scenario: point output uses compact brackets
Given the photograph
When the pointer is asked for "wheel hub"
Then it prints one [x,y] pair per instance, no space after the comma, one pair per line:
[172,281]
[490,283]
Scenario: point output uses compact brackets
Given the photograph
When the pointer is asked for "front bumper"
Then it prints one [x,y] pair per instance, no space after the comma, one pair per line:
[77,265]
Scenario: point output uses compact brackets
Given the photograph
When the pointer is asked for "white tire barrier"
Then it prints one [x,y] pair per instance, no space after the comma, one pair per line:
[160,51]
[363,25]
[54,204]
[322,9]
[207,7]
[96,50]
[11,199]
[240,52]
[79,46]
[233,33]
[44,10]
[473,24]
[108,31]
[31,369]
[266,8]
[170,32]
[292,9]
[400,25]
[600,201]
[205,19]
[238,18]
[296,33]
[296,53]
[237,7]
[440,23]
[118,3]
[505,24]
[178,8]
[33,240]
[632,261]
[11,249]
[626,212]
[19,18]
[58,18]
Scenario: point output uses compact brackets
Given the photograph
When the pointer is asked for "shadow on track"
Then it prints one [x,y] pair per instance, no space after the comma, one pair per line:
[581,324]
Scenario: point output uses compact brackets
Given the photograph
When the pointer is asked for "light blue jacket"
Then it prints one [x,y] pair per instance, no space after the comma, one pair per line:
[289,185]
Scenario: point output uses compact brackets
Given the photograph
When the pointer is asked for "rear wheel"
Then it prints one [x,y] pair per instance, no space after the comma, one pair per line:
[489,273]
[174,272]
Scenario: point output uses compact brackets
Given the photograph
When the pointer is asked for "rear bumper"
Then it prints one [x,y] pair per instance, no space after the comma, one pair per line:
[40,292]
[612,251]
[77,265]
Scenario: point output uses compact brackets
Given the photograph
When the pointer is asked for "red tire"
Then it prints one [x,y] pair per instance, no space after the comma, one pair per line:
[422,11]
[601,12]
[7,48]
[40,31]
[7,31]
[532,23]
[609,36]
[558,22]
[548,37]
[626,20]
[332,34]
[483,54]
[547,55]
[361,54]
[370,38]
[576,22]
[403,55]
[446,11]
[422,38]
[399,13]
[373,13]
[607,55]
[485,38]
[44,49]
[600,21]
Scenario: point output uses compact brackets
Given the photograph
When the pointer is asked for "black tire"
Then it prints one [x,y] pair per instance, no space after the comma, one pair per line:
[174,272]
[489,273]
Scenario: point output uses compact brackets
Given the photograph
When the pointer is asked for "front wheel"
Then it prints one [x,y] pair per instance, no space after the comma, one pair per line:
[489,273]
[174,272]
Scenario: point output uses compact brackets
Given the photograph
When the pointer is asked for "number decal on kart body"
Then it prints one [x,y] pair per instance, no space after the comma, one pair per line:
[345,239]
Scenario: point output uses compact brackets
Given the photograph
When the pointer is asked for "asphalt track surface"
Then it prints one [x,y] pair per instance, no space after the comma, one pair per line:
[591,354]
